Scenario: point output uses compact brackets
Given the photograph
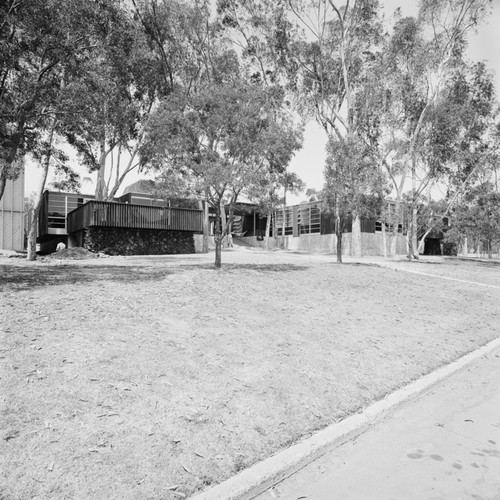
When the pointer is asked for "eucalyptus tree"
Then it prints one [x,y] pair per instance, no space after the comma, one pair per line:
[476,220]
[45,48]
[146,52]
[336,67]
[102,115]
[352,185]
[420,59]
[43,44]
[322,52]
[217,143]
[461,147]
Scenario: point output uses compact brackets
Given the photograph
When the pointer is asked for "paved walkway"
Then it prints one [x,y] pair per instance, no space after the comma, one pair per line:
[445,445]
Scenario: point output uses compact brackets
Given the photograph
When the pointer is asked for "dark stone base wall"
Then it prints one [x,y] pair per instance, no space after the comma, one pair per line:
[123,241]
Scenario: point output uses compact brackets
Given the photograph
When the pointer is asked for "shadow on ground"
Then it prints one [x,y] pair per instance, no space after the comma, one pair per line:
[27,278]
[359,264]
[274,268]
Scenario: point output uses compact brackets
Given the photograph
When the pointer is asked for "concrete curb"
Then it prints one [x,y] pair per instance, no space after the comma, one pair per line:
[263,475]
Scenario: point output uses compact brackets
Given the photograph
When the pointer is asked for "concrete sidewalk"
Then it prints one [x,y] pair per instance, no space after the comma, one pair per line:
[444,445]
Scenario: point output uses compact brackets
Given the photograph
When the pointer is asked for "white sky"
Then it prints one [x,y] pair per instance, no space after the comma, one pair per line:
[309,162]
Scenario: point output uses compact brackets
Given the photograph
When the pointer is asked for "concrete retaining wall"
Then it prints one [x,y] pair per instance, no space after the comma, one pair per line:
[371,243]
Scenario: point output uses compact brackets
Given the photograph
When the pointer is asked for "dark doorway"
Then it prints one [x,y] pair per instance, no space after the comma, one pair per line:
[432,246]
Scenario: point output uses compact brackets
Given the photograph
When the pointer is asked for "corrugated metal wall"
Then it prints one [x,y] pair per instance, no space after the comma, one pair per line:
[12,215]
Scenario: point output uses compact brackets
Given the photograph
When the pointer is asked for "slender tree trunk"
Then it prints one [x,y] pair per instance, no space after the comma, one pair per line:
[393,248]
[218,237]
[339,246]
[384,240]
[394,222]
[230,225]
[206,226]
[465,248]
[268,230]
[38,200]
[224,225]
[338,234]
[284,220]
[120,178]
[414,235]
[100,188]
[421,243]
[33,219]
[356,237]
[275,229]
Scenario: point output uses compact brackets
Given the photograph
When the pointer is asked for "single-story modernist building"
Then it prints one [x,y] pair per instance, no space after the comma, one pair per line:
[133,224]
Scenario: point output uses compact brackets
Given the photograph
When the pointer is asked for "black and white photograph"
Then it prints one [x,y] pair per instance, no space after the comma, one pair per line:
[250,249]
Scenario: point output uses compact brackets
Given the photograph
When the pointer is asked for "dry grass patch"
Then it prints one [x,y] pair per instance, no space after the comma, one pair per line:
[128,381]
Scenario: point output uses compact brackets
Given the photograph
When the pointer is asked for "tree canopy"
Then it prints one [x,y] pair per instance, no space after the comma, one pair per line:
[218,143]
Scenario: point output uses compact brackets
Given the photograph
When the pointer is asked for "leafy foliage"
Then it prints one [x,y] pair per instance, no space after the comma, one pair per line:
[477,219]
[352,185]
[43,46]
[218,143]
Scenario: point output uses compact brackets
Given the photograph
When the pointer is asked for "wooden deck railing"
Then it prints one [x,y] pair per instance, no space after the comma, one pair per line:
[110,214]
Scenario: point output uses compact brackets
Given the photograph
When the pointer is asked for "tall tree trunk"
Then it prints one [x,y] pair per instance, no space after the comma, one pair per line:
[275,228]
[414,225]
[421,243]
[394,221]
[393,247]
[356,237]
[465,248]
[218,237]
[38,200]
[268,230]
[412,233]
[206,226]
[230,225]
[384,240]
[224,225]
[338,234]
[339,245]
[203,206]
[283,226]
[100,188]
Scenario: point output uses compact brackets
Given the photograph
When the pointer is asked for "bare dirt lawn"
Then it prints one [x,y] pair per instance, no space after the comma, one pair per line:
[153,378]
